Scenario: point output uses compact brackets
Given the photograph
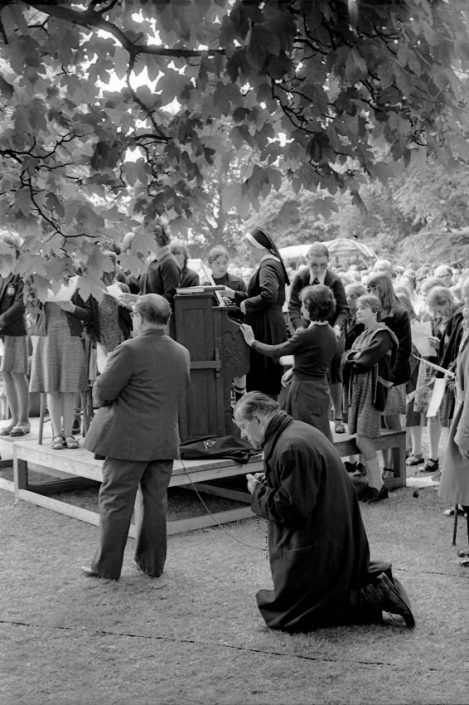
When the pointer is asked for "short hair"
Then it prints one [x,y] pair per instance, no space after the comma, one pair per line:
[439,296]
[318,249]
[427,284]
[153,308]
[178,247]
[319,301]
[443,270]
[371,301]
[387,296]
[217,252]
[382,265]
[161,235]
[355,288]
[111,255]
[253,403]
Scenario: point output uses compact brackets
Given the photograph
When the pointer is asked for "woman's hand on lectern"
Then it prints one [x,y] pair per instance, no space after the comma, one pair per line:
[229,293]
[248,333]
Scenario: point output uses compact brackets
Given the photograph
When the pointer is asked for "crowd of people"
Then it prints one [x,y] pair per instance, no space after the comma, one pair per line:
[361,349]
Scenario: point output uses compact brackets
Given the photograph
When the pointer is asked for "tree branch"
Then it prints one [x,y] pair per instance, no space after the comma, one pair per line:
[91,19]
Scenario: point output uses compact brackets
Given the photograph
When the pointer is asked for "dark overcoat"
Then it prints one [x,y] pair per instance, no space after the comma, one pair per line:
[318,548]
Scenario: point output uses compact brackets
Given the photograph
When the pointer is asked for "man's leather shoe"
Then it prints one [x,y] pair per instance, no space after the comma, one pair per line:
[89,572]
[390,596]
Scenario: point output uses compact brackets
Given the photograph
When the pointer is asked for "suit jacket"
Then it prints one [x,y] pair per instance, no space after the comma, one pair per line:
[140,393]
[162,277]
[334,282]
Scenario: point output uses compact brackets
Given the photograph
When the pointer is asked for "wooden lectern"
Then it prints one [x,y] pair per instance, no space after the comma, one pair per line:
[218,354]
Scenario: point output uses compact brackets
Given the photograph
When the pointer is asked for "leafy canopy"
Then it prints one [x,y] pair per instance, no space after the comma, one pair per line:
[118,110]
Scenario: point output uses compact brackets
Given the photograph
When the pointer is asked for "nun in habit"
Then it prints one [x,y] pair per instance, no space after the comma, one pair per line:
[263,311]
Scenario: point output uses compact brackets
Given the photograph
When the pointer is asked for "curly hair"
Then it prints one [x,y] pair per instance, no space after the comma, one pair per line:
[178,247]
[319,301]
[216,252]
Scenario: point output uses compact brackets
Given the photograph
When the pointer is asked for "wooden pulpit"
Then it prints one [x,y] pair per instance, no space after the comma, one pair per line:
[218,354]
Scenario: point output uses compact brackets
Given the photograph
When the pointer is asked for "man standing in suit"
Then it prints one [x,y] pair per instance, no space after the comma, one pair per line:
[318,273]
[140,394]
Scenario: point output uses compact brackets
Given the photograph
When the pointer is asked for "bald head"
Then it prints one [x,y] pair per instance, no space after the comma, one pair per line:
[154,309]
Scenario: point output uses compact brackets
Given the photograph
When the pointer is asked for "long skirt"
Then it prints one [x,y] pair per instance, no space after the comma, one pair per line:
[309,401]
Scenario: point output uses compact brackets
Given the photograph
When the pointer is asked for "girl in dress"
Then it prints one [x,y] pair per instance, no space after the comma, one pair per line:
[308,397]
[396,318]
[369,364]
[59,366]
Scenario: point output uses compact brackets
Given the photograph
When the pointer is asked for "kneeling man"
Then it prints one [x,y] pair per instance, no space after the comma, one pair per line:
[318,548]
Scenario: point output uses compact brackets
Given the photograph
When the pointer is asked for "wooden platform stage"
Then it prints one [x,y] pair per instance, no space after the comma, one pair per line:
[74,469]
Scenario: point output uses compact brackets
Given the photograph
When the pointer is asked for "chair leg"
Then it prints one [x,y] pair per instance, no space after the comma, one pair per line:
[42,413]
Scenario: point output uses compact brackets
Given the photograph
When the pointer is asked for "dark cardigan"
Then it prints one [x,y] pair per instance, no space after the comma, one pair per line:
[12,321]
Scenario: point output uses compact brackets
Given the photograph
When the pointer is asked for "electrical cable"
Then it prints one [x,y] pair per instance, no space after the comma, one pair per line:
[217,523]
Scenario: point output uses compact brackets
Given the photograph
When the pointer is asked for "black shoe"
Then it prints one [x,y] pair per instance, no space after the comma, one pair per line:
[360,470]
[431,466]
[89,572]
[390,596]
[371,494]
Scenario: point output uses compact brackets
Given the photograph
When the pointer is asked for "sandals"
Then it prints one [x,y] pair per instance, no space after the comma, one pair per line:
[339,426]
[58,443]
[431,465]
[6,430]
[414,459]
[20,430]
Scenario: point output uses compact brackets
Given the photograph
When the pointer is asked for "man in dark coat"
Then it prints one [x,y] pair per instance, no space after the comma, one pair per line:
[318,272]
[140,395]
[318,548]
[163,274]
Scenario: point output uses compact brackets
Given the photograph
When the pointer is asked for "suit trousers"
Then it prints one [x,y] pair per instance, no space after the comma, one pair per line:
[117,494]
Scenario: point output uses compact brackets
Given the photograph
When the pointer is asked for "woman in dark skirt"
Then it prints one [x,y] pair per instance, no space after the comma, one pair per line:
[308,397]
[263,311]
